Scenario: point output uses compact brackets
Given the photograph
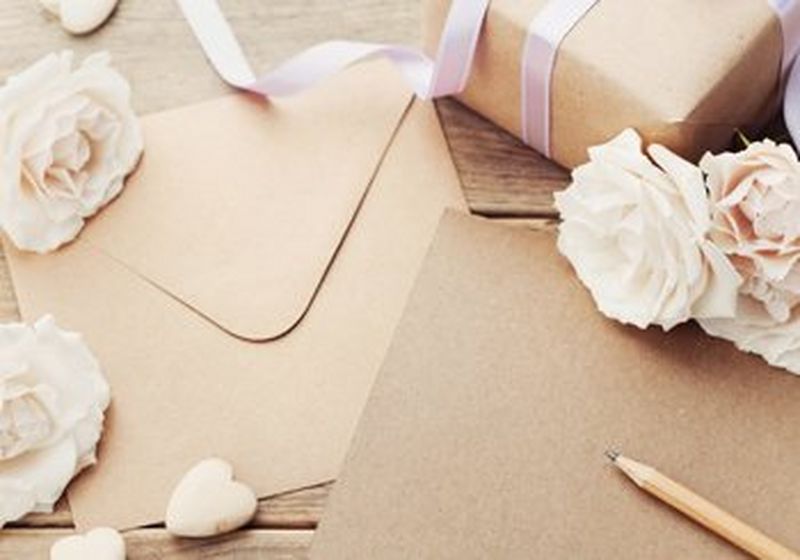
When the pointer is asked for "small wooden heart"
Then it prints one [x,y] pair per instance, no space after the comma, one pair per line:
[207,501]
[102,543]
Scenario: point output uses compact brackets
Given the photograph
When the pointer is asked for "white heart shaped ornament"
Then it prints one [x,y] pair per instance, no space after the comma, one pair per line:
[80,16]
[102,543]
[207,501]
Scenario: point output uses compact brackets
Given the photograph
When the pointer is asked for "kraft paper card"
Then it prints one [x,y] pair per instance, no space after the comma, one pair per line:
[242,291]
[485,433]
[683,73]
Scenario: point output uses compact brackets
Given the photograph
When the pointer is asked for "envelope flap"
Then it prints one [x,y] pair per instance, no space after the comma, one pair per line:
[239,206]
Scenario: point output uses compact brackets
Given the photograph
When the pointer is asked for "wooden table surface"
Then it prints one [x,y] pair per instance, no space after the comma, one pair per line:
[152,45]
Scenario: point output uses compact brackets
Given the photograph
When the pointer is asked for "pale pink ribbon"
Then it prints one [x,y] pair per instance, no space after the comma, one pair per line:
[545,35]
[447,74]
[788,12]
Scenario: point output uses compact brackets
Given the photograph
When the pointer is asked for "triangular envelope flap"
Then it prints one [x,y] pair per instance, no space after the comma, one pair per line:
[239,205]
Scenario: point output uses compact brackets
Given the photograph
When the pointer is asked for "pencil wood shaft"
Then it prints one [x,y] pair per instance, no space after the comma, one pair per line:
[704,512]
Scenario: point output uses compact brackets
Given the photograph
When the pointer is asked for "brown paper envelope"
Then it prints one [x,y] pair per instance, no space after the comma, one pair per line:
[259,197]
[185,384]
[485,433]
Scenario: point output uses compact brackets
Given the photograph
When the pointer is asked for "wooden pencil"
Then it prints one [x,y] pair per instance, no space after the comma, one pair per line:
[701,510]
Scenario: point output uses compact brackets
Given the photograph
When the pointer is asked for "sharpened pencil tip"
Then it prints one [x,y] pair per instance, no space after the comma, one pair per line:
[613,454]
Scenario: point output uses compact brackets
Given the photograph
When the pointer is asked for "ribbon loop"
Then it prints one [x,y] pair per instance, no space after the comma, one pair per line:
[445,75]
[788,12]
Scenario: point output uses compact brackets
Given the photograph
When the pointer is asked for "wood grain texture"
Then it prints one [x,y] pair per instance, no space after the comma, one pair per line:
[501,176]
[152,45]
[301,509]
[157,544]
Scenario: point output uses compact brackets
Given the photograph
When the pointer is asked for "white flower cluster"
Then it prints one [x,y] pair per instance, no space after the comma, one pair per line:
[68,139]
[659,241]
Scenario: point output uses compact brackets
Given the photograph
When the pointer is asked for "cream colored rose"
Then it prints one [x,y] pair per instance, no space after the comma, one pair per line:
[52,399]
[635,230]
[755,198]
[68,137]
[755,330]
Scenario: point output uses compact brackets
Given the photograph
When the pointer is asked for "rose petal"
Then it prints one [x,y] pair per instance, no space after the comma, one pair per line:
[719,297]
[688,179]
[754,330]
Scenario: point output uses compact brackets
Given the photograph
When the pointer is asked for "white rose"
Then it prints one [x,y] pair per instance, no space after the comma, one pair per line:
[755,197]
[755,330]
[635,231]
[52,398]
[68,138]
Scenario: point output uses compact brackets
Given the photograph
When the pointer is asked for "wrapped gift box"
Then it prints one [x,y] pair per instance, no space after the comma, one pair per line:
[685,73]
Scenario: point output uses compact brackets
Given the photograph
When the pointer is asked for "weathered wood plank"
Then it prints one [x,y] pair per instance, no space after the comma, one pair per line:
[535,224]
[301,509]
[152,544]
[500,175]
[293,510]
[60,518]
[152,44]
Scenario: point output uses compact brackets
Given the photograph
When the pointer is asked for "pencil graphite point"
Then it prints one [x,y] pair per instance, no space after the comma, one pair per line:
[613,454]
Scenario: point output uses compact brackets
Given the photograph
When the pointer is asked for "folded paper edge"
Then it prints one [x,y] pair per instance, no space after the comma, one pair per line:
[253,335]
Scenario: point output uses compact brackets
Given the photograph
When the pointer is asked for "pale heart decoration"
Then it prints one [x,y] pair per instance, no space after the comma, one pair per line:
[80,16]
[52,399]
[636,231]
[102,543]
[207,501]
[68,139]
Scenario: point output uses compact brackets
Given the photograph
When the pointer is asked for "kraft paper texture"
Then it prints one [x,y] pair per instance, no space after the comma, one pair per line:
[242,291]
[685,73]
[504,386]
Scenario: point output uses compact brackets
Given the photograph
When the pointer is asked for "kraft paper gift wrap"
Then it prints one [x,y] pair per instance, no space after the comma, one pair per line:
[683,73]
